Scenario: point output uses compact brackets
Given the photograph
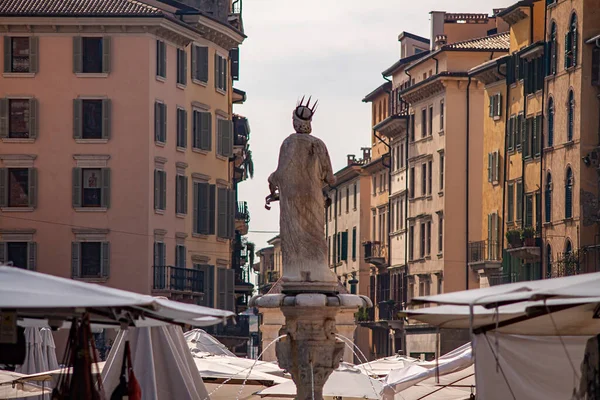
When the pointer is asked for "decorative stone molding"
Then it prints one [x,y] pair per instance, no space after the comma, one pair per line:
[198,177]
[90,234]
[91,160]
[159,162]
[201,106]
[18,160]
[222,183]
[17,235]
[200,259]
[180,238]
[181,167]
[221,113]
[221,262]
[159,234]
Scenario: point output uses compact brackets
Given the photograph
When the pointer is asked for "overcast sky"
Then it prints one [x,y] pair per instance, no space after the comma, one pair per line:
[333,50]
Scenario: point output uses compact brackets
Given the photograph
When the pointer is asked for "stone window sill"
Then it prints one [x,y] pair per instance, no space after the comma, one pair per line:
[160,144]
[200,236]
[91,141]
[199,82]
[221,157]
[180,215]
[220,91]
[180,149]
[91,209]
[200,151]
[181,86]
[441,132]
[440,255]
[159,211]
[17,209]
[92,280]
[17,140]
[161,78]
[91,75]
[441,193]
[496,117]
[19,75]
[222,240]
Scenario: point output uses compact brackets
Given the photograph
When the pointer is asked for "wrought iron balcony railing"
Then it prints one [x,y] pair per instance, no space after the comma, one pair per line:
[177,278]
[484,250]
[241,212]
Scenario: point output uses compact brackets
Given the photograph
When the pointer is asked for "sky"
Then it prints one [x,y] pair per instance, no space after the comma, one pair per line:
[333,50]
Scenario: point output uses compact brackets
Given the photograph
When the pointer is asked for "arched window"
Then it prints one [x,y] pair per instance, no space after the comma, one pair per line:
[548,198]
[569,194]
[549,260]
[570,116]
[552,54]
[550,122]
[571,43]
[568,247]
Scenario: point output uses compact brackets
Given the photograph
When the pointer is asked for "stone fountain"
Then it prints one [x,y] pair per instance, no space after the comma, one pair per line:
[309,301]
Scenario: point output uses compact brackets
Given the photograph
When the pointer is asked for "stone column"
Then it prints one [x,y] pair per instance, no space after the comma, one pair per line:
[346,325]
[272,321]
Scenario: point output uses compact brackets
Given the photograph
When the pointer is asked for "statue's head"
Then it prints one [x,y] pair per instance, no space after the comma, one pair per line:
[302,116]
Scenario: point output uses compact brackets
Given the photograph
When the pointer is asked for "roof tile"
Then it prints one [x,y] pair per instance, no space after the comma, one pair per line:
[77,8]
[499,41]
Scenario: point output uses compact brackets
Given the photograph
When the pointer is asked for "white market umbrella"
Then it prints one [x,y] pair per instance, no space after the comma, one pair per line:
[9,389]
[383,366]
[35,360]
[348,383]
[454,386]
[220,368]
[49,348]
[201,342]
[162,364]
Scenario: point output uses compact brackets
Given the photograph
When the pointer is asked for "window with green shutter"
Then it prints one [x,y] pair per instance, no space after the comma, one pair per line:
[510,133]
[208,284]
[510,194]
[20,254]
[519,200]
[570,116]
[200,64]
[91,119]
[180,257]
[90,260]
[354,243]
[181,128]
[91,55]
[18,118]
[160,122]
[160,190]
[569,193]
[202,130]
[234,56]
[527,138]
[91,187]
[181,194]
[181,66]
[344,240]
[21,54]
[220,72]
[225,137]
[161,59]
[222,213]
[529,210]
[160,254]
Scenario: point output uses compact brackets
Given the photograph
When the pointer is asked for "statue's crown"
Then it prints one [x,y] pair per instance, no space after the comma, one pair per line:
[304,111]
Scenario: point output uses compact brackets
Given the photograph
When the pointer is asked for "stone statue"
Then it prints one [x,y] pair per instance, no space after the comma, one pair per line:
[303,170]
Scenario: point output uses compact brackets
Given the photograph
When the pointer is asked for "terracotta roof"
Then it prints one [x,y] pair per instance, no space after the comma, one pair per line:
[100,8]
[499,42]
[276,288]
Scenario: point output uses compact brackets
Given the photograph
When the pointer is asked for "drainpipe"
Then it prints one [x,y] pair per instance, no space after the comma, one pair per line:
[389,220]
[531,24]
[335,241]
[467,189]
[540,214]
[505,160]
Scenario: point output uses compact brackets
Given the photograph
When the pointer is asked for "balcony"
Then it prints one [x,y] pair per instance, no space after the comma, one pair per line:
[484,256]
[375,253]
[568,264]
[242,217]
[177,283]
[267,280]
[241,130]
[528,248]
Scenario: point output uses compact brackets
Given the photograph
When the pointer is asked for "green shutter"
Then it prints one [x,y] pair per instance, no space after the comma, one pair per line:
[219,136]
[184,67]
[231,213]
[163,58]
[77,111]
[4,111]
[511,198]
[212,211]
[3,187]
[489,167]
[205,130]
[32,183]
[574,46]
[519,201]
[185,194]
[105,259]
[178,195]
[75,259]
[534,138]
[77,55]
[7,54]
[34,54]
[491,106]
[156,189]
[499,104]
[216,70]
[228,143]
[77,187]
[567,49]
[195,211]
[2,252]
[203,51]
[106,54]
[194,54]
[224,71]
[163,190]
[163,130]
[106,118]
[345,245]
[105,196]
[354,243]
[157,121]
[222,213]
[203,208]
[489,230]
[31,256]
[33,118]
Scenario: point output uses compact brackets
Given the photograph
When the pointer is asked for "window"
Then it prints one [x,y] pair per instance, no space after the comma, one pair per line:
[344,239]
[374,221]
[21,254]
[429,177]
[527,134]
[422,242]
[202,130]
[495,105]
[411,180]
[181,66]
[224,137]
[571,43]
[225,213]
[548,198]
[519,201]
[347,199]
[550,119]
[428,239]
[181,194]
[90,259]
[494,167]
[355,198]
[411,127]
[18,187]
[20,54]
[528,210]
[537,136]
[538,211]
[91,187]
[200,63]
[492,246]
[442,115]
[411,242]
[424,179]
[440,234]
[423,122]
[511,198]
[160,254]
[441,177]
[204,208]
[18,118]
[160,190]
[569,194]
[160,122]
[510,133]
[553,47]
[374,184]
[549,259]
[91,118]
[430,125]
[568,247]
[161,59]
[220,72]
[520,130]
[180,256]
[354,243]
[339,204]
[570,116]
[181,128]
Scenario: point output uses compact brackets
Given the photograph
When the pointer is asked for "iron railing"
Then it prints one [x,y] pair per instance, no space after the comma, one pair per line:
[241,212]
[501,279]
[374,250]
[241,130]
[484,250]
[177,278]
[567,264]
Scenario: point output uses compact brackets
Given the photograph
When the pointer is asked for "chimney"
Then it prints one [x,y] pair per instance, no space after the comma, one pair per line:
[351,159]
[366,153]
[440,40]
[437,26]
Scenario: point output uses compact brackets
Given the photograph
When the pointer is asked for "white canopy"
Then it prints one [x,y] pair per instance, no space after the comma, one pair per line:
[37,295]
[201,342]
[35,360]
[578,286]
[454,386]
[221,368]
[344,382]
[49,348]
[383,366]
[9,389]
[162,364]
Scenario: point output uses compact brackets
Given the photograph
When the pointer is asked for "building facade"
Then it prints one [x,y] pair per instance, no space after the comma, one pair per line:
[132,188]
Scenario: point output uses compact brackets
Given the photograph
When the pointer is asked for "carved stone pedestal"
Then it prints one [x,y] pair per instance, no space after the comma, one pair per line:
[310,350]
